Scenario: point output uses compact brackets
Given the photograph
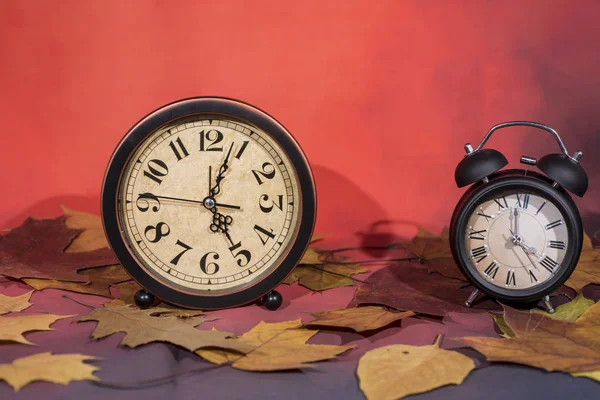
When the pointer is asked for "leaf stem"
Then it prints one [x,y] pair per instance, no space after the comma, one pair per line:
[78,302]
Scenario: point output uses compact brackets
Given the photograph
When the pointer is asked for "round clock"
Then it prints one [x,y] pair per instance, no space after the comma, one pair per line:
[208,203]
[517,234]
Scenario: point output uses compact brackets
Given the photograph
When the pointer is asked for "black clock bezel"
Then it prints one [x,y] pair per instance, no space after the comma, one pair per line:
[181,109]
[522,182]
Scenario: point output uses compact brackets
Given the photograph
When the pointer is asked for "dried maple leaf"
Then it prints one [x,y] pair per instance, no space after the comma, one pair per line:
[393,372]
[13,328]
[409,286]
[100,280]
[434,251]
[359,319]
[311,257]
[276,347]
[92,236]
[324,276]
[127,291]
[36,250]
[321,270]
[569,311]
[54,368]
[144,326]
[14,303]
[428,245]
[547,343]
[588,268]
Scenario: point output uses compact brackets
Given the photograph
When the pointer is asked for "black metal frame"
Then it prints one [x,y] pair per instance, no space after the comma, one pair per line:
[512,181]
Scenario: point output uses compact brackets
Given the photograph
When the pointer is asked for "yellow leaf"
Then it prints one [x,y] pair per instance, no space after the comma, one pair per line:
[145,326]
[501,323]
[15,303]
[569,311]
[587,242]
[13,328]
[276,347]
[359,319]
[587,270]
[58,368]
[393,372]
[311,256]
[543,342]
[92,237]
[595,375]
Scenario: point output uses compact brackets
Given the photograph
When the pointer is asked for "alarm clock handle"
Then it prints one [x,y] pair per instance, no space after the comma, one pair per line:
[575,157]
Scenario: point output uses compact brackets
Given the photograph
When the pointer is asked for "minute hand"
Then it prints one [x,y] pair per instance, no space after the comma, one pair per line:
[198,202]
[215,190]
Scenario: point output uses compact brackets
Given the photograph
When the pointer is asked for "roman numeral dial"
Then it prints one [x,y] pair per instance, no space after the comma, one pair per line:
[516,240]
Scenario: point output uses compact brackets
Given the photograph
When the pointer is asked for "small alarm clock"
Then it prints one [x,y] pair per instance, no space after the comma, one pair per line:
[208,203]
[516,234]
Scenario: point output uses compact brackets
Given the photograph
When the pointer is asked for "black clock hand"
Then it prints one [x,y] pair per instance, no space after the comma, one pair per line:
[228,206]
[526,249]
[222,169]
[209,179]
[147,195]
[150,195]
[220,223]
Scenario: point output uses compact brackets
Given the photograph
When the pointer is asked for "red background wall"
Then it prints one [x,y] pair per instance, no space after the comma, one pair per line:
[382,95]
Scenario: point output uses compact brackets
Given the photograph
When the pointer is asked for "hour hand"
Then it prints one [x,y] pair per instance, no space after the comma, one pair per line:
[220,223]
[228,206]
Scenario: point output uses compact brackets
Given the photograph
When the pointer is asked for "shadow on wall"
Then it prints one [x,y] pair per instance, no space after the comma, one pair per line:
[352,216]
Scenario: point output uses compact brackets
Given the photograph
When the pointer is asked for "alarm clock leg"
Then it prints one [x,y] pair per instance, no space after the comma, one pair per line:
[272,300]
[547,304]
[472,298]
[143,299]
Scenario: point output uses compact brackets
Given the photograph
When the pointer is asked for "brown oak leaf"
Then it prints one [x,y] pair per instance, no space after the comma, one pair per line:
[359,319]
[54,368]
[543,342]
[36,250]
[14,303]
[146,326]
[409,286]
[276,347]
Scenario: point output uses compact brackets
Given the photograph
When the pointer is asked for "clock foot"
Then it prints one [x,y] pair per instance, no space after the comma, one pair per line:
[272,300]
[472,298]
[547,304]
[143,299]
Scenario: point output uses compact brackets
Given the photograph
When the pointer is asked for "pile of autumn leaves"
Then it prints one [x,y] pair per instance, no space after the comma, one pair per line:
[70,253]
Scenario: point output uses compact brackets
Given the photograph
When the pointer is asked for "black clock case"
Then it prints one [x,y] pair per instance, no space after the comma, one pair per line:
[526,182]
[180,109]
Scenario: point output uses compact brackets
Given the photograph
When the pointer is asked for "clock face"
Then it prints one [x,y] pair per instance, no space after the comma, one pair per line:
[516,240]
[209,204]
